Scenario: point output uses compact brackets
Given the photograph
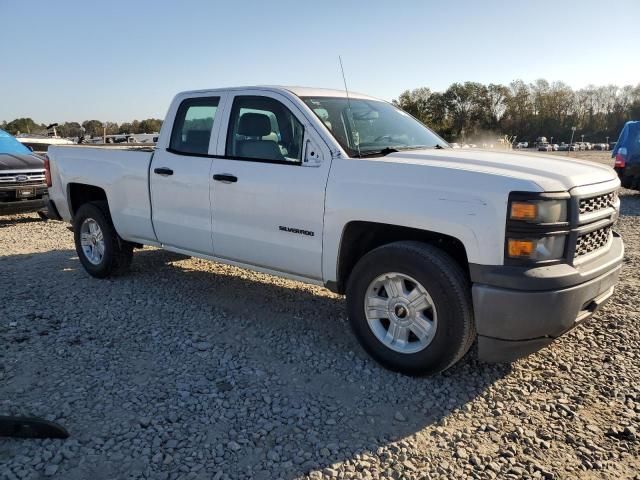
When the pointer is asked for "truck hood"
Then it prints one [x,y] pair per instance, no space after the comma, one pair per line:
[550,173]
[16,161]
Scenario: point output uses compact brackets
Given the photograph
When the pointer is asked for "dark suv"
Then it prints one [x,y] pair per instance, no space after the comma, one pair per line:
[627,155]
[23,186]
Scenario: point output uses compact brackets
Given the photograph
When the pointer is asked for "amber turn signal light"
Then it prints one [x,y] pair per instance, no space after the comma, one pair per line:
[524,211]
[520,248]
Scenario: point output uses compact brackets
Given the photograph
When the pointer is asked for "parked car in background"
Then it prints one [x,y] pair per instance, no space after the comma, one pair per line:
[563,147]
[454,145]
[545,147]
[555,147]
[575,147]
[627,155]
[600,146]
[23,186]
[434,247]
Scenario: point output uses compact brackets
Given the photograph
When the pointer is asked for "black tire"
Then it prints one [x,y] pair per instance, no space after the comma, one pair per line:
[117,252]
[447,285]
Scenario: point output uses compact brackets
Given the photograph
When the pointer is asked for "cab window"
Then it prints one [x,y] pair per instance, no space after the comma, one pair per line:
[262,128]
[193,124]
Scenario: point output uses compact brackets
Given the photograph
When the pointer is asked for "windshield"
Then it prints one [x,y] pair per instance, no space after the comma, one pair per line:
[8,144]
[371,127]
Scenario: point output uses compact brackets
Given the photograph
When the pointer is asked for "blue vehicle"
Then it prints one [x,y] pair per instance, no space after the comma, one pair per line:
[627,155]
[23,186]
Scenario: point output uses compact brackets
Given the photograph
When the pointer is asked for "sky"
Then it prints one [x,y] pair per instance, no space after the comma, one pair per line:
[119,60]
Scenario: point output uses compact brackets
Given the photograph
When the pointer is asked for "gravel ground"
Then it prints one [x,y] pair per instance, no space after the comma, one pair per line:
[189,369]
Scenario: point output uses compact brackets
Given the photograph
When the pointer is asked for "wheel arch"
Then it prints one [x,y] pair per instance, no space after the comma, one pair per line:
[360,237]
[80,193]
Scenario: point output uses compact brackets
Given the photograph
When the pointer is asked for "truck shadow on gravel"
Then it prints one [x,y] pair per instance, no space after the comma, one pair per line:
[629,203]
[183,357]
[10,221]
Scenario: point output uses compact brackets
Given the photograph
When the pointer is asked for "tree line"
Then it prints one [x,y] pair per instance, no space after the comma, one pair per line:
[94,128]
[470,110]
[464,112]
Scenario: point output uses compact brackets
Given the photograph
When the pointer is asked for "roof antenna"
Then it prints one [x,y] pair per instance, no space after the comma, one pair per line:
[344,79]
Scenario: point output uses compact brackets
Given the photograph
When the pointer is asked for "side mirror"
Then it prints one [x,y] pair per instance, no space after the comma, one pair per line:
[312,155]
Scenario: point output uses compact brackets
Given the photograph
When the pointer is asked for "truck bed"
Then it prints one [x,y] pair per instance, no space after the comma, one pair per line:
[121,171]
[115,146]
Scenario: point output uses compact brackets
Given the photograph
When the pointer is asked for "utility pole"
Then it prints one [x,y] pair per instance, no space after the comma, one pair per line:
[573,130]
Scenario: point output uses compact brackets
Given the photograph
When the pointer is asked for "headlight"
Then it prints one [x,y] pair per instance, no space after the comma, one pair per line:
[537,249]
[538,211]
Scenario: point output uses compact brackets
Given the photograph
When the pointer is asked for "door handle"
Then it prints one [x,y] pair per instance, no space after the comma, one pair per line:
[164,171]
[225,178]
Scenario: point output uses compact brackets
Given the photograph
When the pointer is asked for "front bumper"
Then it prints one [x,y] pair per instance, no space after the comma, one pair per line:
[515,321]
[10,205]
[23,206]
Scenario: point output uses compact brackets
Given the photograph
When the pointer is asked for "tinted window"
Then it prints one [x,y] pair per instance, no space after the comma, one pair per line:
[192,127]
[8,144]
[264,129]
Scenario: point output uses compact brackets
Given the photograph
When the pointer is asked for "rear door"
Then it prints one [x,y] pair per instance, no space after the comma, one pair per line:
[180,176]
[268,202]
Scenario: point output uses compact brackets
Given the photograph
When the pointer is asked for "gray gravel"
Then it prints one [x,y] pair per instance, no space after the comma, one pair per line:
[189,369]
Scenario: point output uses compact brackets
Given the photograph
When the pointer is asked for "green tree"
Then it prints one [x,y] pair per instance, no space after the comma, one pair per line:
[466,104]
[111,127]
[23,125]
[93,127]
[150,125]
[69,129]
[125,128]
[416,103]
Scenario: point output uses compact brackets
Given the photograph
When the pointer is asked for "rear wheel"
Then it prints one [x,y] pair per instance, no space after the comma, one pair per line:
[100,250]
[410,307]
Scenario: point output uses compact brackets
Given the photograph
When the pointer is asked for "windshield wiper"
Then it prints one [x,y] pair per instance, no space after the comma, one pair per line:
[378,153]
[387,150]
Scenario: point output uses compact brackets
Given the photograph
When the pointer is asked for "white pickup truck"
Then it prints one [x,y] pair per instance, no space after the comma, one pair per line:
[434,247]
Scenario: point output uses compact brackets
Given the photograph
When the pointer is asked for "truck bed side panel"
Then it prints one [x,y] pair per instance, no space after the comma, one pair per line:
[121,173]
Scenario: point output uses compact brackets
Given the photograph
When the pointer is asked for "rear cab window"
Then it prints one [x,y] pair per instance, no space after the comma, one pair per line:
[193,124]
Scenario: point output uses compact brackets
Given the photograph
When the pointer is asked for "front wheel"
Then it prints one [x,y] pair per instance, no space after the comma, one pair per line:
[100,250]
[410,307]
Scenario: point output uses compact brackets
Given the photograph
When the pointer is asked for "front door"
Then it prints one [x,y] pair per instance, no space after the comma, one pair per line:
[268,208]
[180,178]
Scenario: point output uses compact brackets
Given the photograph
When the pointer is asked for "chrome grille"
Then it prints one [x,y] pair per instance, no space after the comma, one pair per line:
[592,241]
[597,203]
[19,178]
